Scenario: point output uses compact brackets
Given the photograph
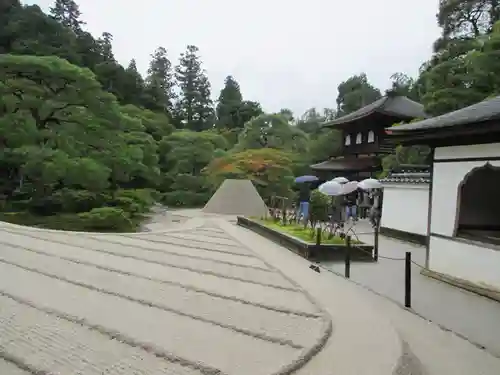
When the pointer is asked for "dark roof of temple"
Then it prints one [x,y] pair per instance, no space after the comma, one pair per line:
[397,106]
[408,178]
[481,112]
[347,164]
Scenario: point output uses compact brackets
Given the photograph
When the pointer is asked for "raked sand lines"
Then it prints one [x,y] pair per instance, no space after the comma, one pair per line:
[44,343]
[183,336]
[191,302]
[237,271]
[269,325]
[256,293]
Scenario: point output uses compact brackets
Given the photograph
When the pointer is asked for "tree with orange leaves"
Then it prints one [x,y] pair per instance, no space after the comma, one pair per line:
[269,169]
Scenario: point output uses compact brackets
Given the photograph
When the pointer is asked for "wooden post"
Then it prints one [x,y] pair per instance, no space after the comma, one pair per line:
[408,280]
[375,244]
[283,210]
[347,272]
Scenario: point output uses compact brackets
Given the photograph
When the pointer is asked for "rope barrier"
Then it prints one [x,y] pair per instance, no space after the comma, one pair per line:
[394,259]
[385,257]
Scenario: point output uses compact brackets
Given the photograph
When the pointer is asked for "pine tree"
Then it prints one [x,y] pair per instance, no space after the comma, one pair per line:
[133,72]
[67,12]
[106,47]
[229,105]
[134,85]
[195,107]
[160,83]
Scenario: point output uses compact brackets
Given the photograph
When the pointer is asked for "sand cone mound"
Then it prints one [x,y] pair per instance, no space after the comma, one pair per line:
[236,197]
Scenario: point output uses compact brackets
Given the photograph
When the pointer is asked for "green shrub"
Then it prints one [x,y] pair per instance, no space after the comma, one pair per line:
[75,201]
[103,219]
[134,201]
[107,219]
[183,198]
[15,206]
[319,206]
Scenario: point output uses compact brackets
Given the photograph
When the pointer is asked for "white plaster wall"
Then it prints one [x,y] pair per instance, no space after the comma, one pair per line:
[475,264]
[405,207]
[470,151]
[447,177]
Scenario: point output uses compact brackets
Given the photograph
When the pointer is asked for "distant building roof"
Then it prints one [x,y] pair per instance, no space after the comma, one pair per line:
[351,164]
[482,112]
[392,105]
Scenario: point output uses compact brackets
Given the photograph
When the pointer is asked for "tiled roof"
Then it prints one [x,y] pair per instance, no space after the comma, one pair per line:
[397,106]
[484,111]
[408,178]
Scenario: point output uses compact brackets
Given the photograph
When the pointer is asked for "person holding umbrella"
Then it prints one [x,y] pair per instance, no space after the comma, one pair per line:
[351,201]
[375,189]
[304,196]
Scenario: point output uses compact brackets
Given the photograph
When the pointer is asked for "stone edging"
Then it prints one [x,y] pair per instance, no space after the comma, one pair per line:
[418,239]
[309,251]
[463,284]
[307,354]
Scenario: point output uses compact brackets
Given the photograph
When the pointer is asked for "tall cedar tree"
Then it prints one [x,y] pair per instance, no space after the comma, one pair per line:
[67,12]
[106,47]
[159,86]
[134,85]
[195,107]
[229,105]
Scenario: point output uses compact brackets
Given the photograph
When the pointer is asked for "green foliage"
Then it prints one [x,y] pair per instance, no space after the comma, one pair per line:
[159,84]
[272,131]
[318,207]
[269,169]
[304,234]
[405,155]
[355,93]
[106,219]
[194,109]
[88,144]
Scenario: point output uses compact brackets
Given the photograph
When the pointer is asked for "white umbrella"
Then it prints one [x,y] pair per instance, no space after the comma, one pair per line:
[340,180]
[370,183]
[330,188]
[349,187]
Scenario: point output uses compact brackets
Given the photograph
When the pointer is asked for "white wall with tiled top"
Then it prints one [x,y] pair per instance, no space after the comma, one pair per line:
[477,263]
[405,207]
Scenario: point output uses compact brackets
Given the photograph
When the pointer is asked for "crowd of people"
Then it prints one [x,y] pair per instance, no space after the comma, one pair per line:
[359,204]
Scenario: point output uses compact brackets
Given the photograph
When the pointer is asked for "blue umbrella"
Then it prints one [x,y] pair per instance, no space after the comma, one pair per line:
[302,179]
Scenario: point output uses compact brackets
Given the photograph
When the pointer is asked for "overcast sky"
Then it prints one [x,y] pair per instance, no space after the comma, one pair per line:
[284,53]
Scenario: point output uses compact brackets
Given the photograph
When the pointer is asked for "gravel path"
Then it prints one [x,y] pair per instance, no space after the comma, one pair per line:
[184,302]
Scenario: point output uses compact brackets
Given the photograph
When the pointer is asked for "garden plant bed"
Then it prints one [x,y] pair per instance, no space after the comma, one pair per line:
[295,239]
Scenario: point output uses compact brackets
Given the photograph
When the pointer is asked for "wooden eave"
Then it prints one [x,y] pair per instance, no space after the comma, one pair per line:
[479,133]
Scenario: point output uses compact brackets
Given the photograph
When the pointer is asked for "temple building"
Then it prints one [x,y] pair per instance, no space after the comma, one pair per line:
[364,138]
[463,228]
